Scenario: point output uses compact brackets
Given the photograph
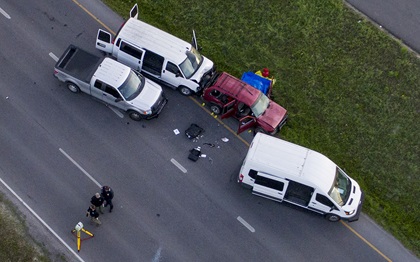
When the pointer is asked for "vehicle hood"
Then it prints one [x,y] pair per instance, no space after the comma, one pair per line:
[204,68]
[354,198]
[273,115]
[148,96]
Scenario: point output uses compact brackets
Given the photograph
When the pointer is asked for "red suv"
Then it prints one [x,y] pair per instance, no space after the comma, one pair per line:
[229,96]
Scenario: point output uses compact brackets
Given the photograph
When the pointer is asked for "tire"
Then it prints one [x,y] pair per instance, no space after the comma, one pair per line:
[332,217]
[136,116]
[216,109]
[185,90]
[73,87]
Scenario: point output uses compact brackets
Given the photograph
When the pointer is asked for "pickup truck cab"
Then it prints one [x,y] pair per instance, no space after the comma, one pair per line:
[229,96]
[111,82]
[158,55]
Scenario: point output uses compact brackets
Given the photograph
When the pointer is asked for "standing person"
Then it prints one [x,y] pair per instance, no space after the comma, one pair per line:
[94,215]
[108,194]
[98,201]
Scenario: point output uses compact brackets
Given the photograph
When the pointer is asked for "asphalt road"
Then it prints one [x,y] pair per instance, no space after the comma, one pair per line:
[56,148]
[401,18]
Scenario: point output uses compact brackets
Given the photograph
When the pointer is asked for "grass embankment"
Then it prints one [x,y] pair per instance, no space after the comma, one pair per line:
[352,92]
[16,244]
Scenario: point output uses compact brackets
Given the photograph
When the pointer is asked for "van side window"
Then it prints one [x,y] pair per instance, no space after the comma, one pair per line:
[277,185]
[131,50]
[252,173]
[171,67]
[110,90]
[324,200]
[299,193]
[104,36]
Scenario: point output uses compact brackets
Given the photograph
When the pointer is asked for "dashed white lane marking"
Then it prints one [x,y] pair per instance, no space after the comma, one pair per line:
[53,56]
[42,221]
[4,13]
[116,111]
[178,165]
[250,228]
[156,258]
[81,168]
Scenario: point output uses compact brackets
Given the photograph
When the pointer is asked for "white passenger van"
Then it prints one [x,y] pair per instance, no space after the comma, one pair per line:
[158,55]
[282,171]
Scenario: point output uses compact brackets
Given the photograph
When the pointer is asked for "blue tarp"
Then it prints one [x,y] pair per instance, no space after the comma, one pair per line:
[260,83]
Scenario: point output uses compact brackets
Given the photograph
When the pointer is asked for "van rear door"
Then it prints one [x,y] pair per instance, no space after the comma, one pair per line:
[104,41]
[134,12]
[270,187]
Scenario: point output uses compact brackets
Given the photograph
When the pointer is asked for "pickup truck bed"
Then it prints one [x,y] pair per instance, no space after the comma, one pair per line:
[78,63]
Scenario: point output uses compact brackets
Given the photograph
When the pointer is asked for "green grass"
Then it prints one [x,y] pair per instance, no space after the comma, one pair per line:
[16,244]
[352,92]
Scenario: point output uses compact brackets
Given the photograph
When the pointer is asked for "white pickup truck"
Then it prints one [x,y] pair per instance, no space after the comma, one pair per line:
[111,82]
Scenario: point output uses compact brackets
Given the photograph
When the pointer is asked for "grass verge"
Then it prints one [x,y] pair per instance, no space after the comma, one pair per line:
[352,92]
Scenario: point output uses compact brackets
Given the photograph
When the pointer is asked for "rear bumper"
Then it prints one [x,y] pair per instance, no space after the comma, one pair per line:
[359,209]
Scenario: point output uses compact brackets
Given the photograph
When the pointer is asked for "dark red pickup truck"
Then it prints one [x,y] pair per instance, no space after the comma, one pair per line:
[229,96]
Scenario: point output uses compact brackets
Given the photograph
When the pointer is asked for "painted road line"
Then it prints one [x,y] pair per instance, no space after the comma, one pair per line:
[116,111]
[157,256]
[53,57]
[94,17]
[42,221]
[4,13]
[178,165]
[81,168]
[250,228]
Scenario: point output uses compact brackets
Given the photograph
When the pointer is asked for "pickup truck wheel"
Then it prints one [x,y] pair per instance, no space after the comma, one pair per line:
[185,90]
[215,109]
[136,116]
[73,88]
[332,217]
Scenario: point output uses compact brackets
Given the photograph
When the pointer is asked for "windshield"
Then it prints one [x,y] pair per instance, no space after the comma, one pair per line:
[191,63]
[340,190]
[260,105]
[132,86]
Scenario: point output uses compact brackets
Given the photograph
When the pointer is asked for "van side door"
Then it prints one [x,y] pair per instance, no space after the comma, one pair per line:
[152,64]
[130,55]
[321,203]
[104,41]
[270,187]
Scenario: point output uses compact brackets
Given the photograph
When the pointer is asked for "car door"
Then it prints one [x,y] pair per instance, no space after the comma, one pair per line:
[171,74]
[228,109]
[131,56]
[107,94]
[246,123]
[321,203]
[104,41]
[270,187]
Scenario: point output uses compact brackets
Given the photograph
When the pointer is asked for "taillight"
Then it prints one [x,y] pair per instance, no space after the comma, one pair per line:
[241,177]
[55,72]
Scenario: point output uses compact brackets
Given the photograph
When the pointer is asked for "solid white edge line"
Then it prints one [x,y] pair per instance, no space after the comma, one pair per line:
[53,56]
[4,13]
[156,258]
[250,228]
[42,221]
[81,168]
[179,166]
[116,111]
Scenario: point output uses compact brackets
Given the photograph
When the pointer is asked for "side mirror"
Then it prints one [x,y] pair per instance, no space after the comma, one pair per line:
[178,74]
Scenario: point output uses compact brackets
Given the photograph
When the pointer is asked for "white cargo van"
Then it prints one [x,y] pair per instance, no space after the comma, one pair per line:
[158,55]
[282,171]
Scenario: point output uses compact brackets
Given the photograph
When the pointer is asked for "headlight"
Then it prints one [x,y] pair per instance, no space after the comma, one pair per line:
[349,213]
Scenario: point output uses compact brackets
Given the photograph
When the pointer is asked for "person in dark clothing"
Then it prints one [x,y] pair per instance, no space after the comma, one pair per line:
[94,215]
[108,194]
[98,201]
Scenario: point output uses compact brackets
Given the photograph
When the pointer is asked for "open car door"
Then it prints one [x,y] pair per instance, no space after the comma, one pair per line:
[270,187]
[228,109]
[246,123]
[104,41]
[194,41]
[134,12]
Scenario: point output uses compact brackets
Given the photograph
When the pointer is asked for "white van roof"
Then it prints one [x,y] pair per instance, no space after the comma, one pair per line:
[112,72]
[151,38]
[293,160]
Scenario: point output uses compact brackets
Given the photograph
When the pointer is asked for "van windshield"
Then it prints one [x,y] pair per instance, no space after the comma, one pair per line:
[340,189]
[191,63]
[259,107]
[132,87]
